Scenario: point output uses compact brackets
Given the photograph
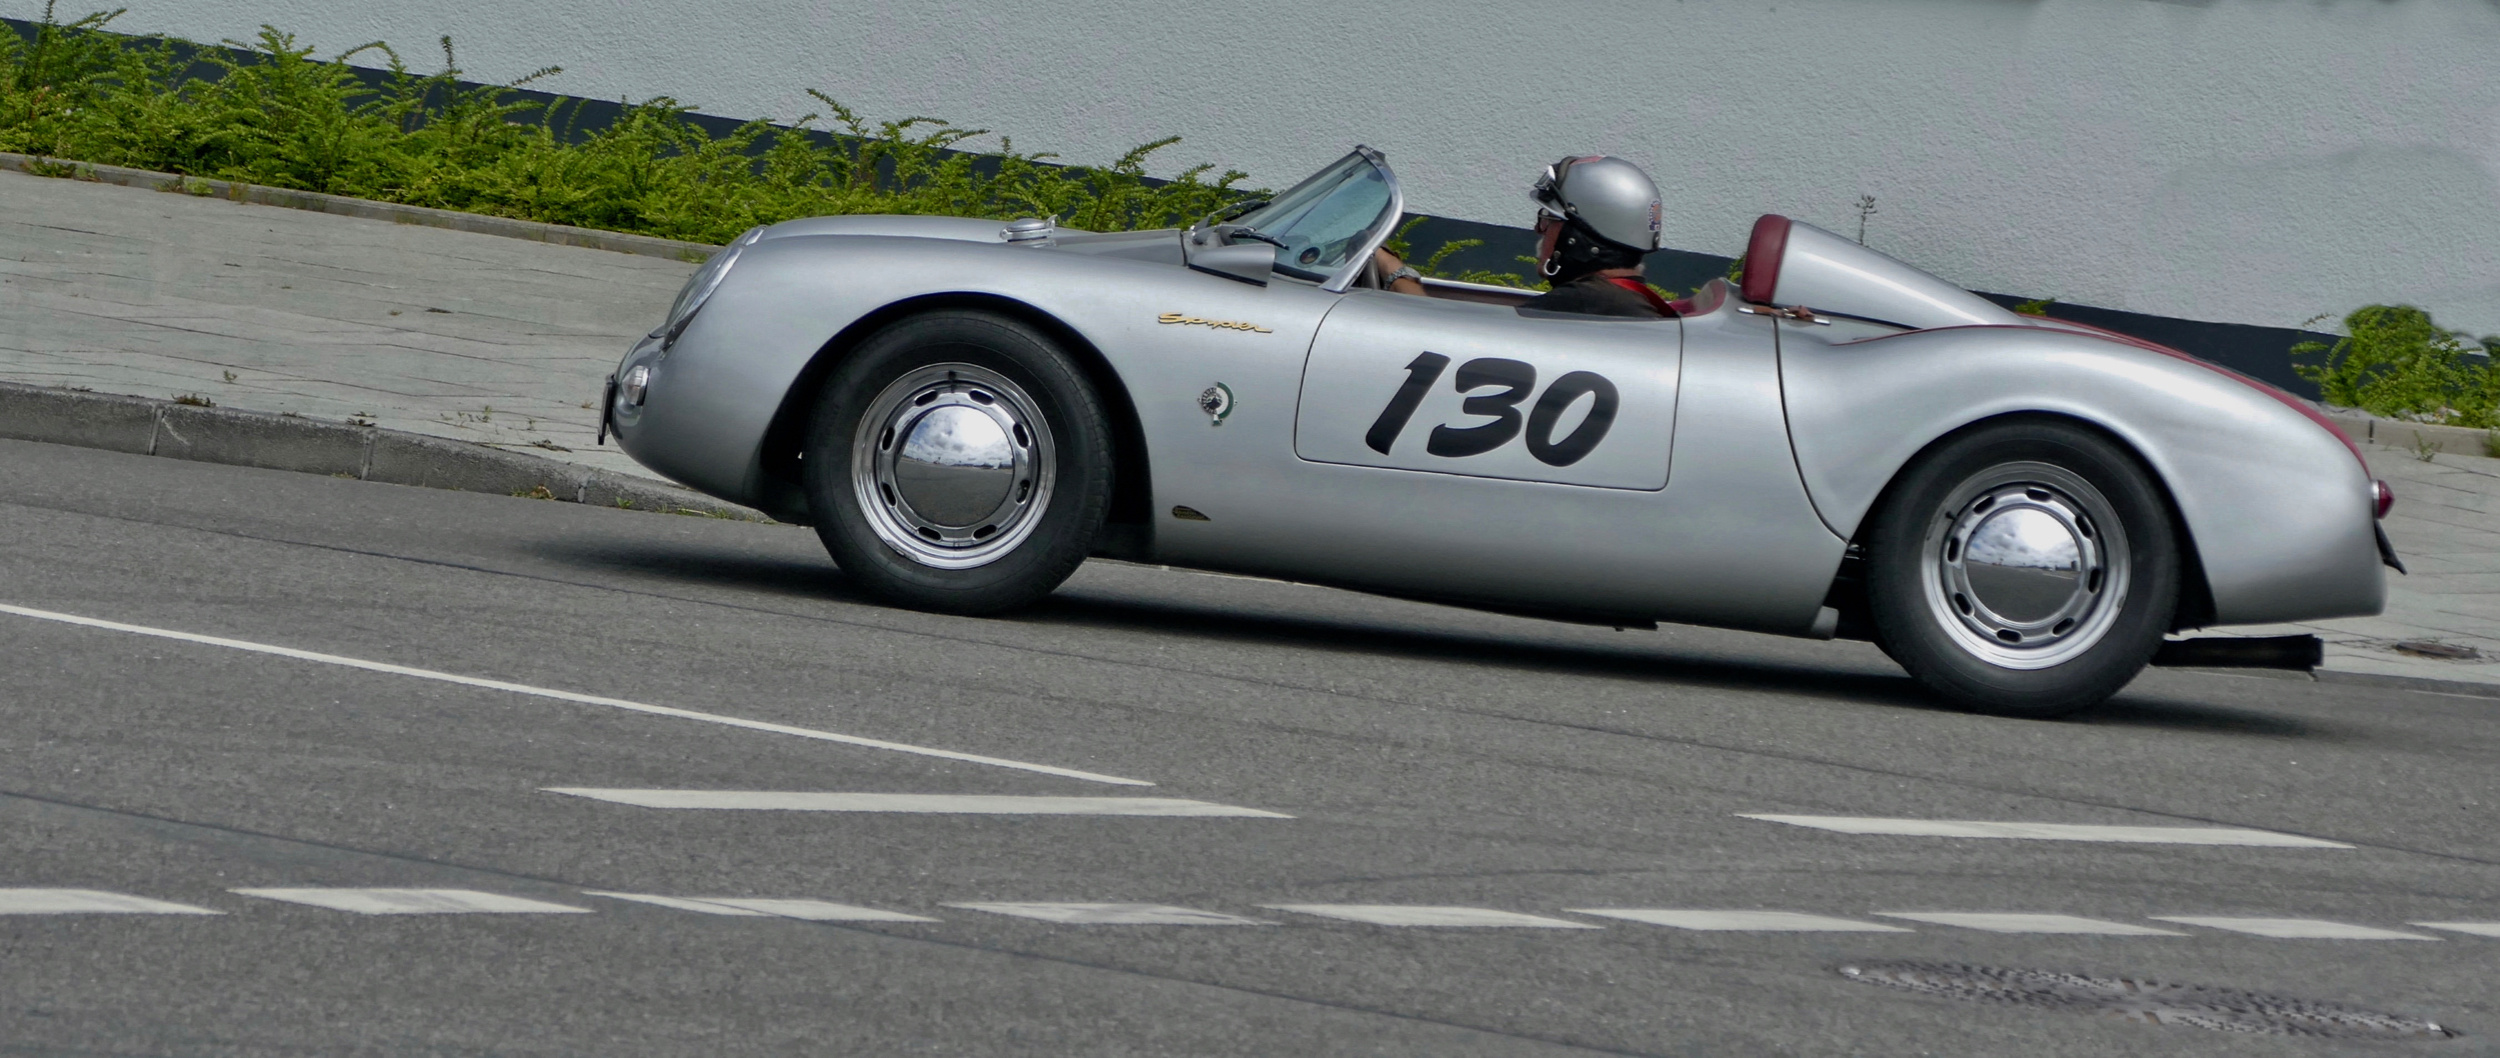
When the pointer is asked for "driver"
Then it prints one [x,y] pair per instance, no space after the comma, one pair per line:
[1597,218]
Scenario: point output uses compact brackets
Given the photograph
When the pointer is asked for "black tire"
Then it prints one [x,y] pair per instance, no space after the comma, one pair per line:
[1063,463]
[1997,510]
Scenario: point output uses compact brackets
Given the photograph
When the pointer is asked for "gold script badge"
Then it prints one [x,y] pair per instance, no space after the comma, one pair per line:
[1201,321]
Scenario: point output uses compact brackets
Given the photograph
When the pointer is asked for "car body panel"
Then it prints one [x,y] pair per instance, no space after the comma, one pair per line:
[1731,540]
[1380,355]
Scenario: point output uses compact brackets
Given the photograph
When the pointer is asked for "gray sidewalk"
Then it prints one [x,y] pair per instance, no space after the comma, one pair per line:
[504,342]
[498,341]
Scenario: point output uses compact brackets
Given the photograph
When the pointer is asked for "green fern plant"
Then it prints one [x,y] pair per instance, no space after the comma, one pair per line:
[271,112]
[2395,362]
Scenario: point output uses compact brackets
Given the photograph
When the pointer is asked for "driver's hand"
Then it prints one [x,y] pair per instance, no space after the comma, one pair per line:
[1386,262]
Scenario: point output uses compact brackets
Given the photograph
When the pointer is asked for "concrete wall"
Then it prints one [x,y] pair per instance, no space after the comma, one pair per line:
[2254,161]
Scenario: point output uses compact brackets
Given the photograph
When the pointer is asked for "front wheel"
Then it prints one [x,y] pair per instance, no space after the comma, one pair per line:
[958,462]
[2026,568]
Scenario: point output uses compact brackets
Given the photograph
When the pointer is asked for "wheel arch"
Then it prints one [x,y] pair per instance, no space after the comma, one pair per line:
[2195,606]
[1129,518]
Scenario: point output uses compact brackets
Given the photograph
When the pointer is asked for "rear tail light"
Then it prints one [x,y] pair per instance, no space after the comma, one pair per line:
[2381,498]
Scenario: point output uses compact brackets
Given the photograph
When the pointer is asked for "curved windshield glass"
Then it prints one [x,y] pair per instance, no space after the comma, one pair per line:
[1322,222]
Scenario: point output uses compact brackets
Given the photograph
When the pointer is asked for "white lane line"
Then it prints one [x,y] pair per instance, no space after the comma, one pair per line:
[1116,914]
[565,696]
[2292,928]
[1423,915]
[415,901]
[753,907]
[1747,921]
[88,902]
[1964,828]
[2004,923]
[961,804]
[2479,929]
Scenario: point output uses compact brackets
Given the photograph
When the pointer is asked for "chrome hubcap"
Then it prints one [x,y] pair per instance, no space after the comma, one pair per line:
[2027,566]
[953,465]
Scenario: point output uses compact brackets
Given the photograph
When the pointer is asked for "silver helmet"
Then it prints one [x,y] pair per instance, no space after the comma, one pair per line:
[1610,197]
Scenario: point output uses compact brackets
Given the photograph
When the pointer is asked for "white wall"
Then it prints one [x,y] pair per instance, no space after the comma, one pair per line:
[2255,161]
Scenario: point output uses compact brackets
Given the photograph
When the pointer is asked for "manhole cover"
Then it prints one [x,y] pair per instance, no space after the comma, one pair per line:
[2225,1009]
[2427,648]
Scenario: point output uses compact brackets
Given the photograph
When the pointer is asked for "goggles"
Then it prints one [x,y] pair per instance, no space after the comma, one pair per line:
[1546,192]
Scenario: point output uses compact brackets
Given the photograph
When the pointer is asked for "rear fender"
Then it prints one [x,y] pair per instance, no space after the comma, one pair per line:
[2275,508]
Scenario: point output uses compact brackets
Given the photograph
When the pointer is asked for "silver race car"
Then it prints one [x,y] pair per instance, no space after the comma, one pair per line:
[2018,510]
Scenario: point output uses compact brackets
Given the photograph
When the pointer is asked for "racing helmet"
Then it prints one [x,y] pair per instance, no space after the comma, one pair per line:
[1609,198]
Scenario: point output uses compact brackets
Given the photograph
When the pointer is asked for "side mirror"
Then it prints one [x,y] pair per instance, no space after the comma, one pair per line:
[1248,262]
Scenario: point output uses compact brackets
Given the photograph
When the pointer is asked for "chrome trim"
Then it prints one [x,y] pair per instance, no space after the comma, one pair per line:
[1030,229]
[2027,567]
[952,466]
[1344,279]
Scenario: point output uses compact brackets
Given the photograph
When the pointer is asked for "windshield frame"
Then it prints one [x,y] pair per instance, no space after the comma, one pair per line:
[1377,234]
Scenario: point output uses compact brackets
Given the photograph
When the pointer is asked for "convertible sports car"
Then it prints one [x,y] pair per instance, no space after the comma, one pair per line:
[2018,510]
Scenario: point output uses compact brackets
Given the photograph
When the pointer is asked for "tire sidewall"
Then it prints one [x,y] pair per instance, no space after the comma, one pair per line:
[1079,431]
[1907,627]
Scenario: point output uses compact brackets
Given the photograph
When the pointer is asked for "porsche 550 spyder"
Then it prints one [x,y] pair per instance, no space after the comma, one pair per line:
[2018,510]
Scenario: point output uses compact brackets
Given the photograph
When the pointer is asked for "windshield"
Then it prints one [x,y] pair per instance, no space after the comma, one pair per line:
[1324,221]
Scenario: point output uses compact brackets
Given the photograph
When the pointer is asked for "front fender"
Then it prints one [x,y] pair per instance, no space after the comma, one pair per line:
[713,397]
[2277,507]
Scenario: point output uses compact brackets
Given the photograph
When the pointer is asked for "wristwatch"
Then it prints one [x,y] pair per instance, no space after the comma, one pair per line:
[1403,272]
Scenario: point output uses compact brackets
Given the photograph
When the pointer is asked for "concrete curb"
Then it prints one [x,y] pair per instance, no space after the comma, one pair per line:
[535,231]
[141,426]
[2395,433]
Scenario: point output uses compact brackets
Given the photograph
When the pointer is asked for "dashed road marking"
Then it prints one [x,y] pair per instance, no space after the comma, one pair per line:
[1116,914]
[1965,828]
[2293,928]
[415,901]
[2008,923]
[89,902]
[961,804]
[2479,929]
[755,907]
[1424,915]
[563,696]
[1747,921]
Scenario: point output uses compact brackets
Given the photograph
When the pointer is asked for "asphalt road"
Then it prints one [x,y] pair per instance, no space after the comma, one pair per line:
[1426,757]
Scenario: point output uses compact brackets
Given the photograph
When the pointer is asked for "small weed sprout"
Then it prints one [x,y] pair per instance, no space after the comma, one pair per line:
[194,400]
[2035,307]
[540,492]
[1866,208]
[2425,446]
[229,376]
[2491,443]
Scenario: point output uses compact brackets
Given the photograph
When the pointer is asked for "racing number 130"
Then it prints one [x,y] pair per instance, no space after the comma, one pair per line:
[1517,381]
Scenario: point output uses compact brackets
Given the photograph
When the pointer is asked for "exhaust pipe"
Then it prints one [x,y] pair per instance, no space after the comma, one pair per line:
[2299,653]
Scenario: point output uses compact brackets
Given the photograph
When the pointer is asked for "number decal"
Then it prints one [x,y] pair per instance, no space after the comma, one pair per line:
[1549,409]
[1420,375]
[1518,380]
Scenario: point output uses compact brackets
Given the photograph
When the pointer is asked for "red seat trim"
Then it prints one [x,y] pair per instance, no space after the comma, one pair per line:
[1763,254]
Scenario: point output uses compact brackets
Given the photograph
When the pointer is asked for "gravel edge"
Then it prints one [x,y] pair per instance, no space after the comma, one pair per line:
[207,434]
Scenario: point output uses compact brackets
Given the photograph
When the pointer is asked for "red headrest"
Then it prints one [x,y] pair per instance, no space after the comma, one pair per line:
[1762,258]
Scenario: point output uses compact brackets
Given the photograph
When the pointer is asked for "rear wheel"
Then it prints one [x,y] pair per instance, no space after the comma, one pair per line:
[958,462]
[2025,568]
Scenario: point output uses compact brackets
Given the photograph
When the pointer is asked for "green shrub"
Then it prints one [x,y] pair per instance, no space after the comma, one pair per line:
[282,118]
[2394,362]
